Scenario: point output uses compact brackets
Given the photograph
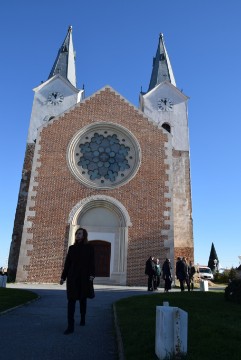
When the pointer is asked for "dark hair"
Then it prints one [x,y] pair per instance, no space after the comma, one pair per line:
[85,234]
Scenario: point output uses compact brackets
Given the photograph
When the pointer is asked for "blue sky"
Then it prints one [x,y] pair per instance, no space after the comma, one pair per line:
[115,41]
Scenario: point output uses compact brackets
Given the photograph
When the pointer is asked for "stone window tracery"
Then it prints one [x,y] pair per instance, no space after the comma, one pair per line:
[104,155]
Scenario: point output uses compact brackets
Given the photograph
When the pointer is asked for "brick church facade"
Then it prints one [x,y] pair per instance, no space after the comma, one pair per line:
[121,172]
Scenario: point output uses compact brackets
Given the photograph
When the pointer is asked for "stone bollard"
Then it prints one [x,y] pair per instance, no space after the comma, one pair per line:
[171,331]
[203,285]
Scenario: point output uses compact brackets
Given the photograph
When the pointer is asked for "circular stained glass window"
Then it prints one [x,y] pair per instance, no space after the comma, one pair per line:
[104,155]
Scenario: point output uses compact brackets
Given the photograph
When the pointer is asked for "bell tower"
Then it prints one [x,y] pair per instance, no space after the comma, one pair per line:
[166,105]
[51,98]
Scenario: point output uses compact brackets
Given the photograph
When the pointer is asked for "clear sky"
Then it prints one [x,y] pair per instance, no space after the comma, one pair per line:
[115,41]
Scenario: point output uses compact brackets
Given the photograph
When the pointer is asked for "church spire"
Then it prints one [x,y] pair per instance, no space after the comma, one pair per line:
[162,69]
[65,60]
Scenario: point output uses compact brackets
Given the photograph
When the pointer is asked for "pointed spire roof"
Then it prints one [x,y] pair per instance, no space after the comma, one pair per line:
[65,60]
[162,70]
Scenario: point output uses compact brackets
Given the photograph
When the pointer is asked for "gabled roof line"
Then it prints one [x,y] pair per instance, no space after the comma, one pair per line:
[57,76]
[167,83]
[97,93]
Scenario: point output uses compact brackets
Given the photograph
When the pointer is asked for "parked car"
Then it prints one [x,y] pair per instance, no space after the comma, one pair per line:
[205,273]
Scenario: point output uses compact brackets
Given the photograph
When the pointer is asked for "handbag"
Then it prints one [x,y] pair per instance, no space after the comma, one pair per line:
[91,290]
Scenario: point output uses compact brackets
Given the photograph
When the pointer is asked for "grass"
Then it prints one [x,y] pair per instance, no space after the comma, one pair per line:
[214,329]
[10,298]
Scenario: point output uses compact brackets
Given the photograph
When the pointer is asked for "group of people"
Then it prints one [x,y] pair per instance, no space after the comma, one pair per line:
[184,273]
[79,271]
[154,272]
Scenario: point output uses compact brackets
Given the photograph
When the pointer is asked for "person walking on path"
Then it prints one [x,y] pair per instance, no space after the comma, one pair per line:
[192,271]
[166,274]
[180,272]
[150,271]
[157,275]
[186,272]
[79,270]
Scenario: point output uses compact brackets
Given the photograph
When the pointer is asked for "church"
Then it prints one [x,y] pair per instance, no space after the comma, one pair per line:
[99,162]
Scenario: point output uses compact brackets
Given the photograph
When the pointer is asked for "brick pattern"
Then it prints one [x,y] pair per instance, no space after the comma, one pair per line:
[54,190]
[20,212]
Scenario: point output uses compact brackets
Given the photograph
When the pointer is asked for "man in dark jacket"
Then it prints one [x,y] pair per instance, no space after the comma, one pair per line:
[79,270]
[150,271]
[180,272]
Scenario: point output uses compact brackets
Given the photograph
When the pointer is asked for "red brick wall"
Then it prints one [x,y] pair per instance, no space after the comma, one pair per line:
[58,191]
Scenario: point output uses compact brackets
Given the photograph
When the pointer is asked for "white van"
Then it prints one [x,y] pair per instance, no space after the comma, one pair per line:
[205,272]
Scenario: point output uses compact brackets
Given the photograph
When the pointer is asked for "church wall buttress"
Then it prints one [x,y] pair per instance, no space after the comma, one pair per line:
[20,212]
[182,205]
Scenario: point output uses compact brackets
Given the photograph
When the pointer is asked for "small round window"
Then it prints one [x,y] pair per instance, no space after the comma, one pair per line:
[104,155]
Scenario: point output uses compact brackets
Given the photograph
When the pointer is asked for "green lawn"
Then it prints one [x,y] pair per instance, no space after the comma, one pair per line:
[214,325]
[10,298]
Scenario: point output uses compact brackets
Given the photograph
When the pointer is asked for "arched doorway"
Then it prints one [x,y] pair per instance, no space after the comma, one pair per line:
[106,221]
[102,257]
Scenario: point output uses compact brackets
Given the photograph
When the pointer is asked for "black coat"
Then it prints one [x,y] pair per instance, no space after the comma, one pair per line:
[181,270]
[150,267]
[79,266]
[166,270]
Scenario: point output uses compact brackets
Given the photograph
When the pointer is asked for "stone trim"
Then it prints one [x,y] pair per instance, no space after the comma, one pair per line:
[168,233]
[101,200]
[102,126]
[27,236]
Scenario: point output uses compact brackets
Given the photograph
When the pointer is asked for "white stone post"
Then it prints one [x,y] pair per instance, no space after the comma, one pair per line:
[203,285]
[171,331]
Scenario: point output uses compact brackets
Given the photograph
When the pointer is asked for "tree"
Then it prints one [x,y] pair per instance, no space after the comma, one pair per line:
[213,261]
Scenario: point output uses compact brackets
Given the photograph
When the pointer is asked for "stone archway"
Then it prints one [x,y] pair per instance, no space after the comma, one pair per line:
[107,222]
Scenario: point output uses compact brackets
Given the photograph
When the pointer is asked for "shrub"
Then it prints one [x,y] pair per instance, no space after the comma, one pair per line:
[233,291]
[226,276]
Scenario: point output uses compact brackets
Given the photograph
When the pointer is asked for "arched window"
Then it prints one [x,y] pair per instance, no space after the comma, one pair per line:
[167,127]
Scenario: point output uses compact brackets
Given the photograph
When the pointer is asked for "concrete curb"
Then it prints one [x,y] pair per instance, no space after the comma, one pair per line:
[18,306]
[119,340]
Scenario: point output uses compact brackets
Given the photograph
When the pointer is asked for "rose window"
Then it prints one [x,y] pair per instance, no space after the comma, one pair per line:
[104,155]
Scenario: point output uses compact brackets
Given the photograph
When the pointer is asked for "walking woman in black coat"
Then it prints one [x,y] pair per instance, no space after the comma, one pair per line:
[79,270]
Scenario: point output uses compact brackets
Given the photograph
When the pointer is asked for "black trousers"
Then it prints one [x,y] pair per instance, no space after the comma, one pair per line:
[150,282]
[71,310]
[156,281]
[182,282]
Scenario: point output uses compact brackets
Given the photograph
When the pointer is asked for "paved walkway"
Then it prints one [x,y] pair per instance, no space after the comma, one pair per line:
[35,331]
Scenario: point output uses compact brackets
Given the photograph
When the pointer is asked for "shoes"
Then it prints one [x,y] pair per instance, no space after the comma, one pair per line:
[68,331]
[150,289]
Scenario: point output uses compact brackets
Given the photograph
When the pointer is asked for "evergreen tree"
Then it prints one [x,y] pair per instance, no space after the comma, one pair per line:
[213,255]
